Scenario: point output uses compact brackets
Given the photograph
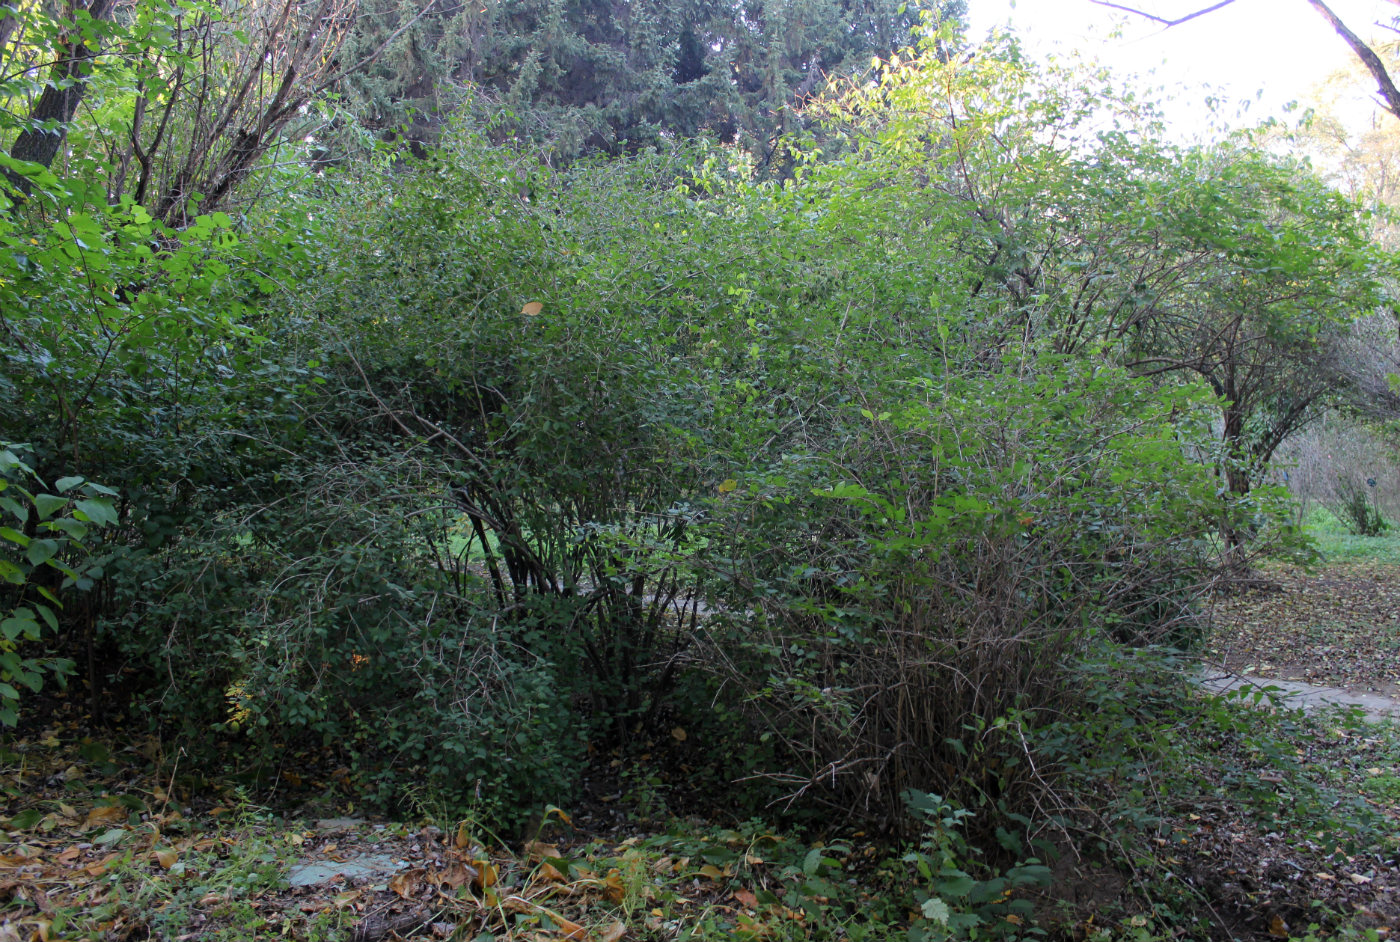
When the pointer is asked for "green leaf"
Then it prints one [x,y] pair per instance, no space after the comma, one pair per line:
[812,861]
[957,887]
[936,910]
[48,616]
[41,551]
[98,510]
[67,484]
[49,504]
[14,536]
[26,819]
[110,837]
[16,626]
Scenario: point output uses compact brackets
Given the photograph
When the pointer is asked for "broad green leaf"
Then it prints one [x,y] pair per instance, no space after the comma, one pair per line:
[936,910]
[98,510]
[41,551]
[49,504]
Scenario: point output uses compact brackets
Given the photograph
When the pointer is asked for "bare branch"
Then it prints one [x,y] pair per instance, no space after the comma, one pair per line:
[1165,22]
[1367,55]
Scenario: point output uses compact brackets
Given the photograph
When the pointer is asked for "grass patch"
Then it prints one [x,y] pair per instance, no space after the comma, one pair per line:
[1338,544]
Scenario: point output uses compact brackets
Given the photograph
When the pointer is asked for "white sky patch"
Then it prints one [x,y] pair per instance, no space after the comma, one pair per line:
[1253,57]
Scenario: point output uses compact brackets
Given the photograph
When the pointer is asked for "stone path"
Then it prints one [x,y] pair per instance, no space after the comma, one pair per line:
[1297,695]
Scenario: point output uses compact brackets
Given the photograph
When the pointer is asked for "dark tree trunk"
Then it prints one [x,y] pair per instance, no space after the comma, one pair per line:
[1239,483]
[59,101]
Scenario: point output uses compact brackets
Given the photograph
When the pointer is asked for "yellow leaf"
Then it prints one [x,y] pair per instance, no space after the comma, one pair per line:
[539,850]
[166,857]
[678,734]
[728,485]
[711,871]
[569,930]
[531,309]
[100,868]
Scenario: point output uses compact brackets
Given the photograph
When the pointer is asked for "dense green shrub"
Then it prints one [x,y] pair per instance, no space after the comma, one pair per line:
[45,556]
[335,617]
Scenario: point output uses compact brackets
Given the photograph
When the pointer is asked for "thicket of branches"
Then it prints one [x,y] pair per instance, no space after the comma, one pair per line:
[464,465]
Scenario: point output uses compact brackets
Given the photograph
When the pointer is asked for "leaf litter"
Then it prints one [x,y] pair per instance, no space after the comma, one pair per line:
[105,846]
[1339,627]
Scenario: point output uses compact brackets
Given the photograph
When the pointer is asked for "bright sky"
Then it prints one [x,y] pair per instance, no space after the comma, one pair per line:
[1264,52]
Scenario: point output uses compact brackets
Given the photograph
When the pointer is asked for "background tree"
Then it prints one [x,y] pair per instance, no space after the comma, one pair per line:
[614,76]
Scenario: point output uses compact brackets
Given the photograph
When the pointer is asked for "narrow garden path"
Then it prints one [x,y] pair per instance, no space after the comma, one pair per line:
[1329,636]
[1296,694]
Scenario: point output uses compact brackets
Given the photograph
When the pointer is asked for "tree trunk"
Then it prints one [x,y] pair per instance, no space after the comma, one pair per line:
[59,101]
[1238,483]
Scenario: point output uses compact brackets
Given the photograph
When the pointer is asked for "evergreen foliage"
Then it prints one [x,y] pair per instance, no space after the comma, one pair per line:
[579,77]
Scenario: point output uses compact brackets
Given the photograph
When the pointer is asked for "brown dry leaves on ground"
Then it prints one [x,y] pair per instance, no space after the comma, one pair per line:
[100,846]
[1338,626]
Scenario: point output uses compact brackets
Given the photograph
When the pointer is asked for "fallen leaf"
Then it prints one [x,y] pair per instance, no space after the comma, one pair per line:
[678,734]
[613,887]
[487,875]
[456,874]
[101,867]
[347,898]
[166,857]
[613,933]
[407,883]
[746,899]
[551,873]
[569,930]
[111,814]
[538,850]
[1359,878]
[711,871]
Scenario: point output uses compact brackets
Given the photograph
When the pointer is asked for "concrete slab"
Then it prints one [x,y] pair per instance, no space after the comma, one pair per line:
[1296,695]
[315,872]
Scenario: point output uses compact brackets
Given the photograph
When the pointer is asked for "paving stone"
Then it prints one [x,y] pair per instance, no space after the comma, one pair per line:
[1297,695]
[315,872]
